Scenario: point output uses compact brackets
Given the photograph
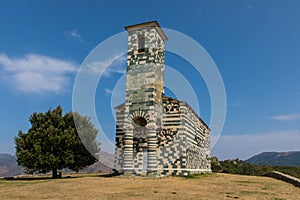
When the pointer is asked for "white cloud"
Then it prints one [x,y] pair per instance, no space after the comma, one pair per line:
[36,73]
[115,64]
[108,91]
[287,117]
[73,34]
[246,146]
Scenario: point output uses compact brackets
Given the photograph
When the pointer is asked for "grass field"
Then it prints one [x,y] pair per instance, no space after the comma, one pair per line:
[213,186]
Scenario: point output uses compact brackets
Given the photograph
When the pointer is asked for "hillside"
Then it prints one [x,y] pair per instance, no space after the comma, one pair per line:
[106,158]
[105,163]
[9,166]
[208,186]
[237,166]
[291,158]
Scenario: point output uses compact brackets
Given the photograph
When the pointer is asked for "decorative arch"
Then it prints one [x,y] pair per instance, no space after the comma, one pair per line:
[165,136]
[140,116]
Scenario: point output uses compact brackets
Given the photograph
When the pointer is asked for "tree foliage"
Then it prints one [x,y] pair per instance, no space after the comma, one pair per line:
[215,165]
[53,142]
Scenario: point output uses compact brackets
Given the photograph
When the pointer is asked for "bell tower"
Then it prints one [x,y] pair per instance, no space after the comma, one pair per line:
[156,134]
[144,90]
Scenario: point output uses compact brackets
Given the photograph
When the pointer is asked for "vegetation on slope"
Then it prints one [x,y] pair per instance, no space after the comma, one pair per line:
[291,158]
[240,167]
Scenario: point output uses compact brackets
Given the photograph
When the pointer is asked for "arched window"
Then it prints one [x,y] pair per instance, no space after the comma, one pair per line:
[141,43]
[140,121]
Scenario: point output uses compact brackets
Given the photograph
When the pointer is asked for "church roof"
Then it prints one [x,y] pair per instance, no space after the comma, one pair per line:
[148,24]
[119,106]
[187,105]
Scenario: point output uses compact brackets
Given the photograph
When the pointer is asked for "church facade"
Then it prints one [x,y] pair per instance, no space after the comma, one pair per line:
[156,134]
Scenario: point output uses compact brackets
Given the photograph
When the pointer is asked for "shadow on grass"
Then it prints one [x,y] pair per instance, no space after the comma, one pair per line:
[34,178]
[70,176]
[25,178]
[199,176]
[108,175]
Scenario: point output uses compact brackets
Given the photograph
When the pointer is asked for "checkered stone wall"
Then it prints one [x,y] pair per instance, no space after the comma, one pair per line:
[156,134]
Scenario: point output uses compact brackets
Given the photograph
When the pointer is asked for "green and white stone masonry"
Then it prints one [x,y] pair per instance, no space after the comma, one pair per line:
[156,134]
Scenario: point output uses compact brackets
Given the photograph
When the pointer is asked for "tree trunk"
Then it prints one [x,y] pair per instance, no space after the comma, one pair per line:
[55,174]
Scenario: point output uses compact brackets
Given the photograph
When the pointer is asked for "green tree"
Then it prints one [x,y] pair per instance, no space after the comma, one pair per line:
[53,142]
[215,165]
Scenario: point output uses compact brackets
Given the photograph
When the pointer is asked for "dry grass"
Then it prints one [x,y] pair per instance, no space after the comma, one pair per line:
[215,186]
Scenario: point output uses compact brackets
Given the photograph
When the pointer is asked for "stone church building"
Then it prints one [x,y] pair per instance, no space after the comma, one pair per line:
[156,134]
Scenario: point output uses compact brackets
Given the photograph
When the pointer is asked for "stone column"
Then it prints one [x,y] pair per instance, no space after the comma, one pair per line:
[128,150]
[152,149]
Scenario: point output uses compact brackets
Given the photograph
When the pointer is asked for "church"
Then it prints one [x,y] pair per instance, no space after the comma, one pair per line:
[156,134]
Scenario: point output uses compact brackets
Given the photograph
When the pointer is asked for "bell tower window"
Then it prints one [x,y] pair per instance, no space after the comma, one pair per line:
[141,43]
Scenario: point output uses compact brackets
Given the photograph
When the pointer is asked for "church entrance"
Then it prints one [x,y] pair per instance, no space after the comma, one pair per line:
[140,143]
[145,160]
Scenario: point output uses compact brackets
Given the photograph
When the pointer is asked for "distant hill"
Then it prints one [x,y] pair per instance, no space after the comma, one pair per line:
[291,158]
[106,158]
[9,166]
[105,163]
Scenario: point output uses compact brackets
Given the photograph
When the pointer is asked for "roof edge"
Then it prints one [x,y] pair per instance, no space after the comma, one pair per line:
[188,105]
[148,24]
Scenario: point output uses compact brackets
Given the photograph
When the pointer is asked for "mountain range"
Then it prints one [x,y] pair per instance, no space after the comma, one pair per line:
[291,158]
[9,166]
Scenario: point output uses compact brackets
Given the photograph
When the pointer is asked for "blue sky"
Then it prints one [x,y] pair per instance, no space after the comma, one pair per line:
[255,45]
